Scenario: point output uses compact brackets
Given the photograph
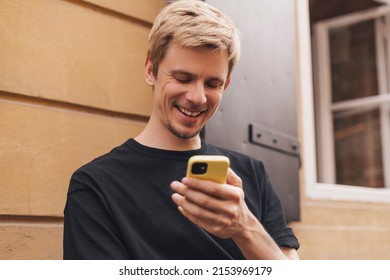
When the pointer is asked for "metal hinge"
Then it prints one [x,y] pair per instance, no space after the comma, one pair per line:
[274,140]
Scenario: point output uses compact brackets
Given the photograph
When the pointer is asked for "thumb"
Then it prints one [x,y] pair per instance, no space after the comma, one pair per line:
[233,179]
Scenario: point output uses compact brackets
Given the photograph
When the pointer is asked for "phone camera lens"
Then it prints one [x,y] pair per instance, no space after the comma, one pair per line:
[199,168]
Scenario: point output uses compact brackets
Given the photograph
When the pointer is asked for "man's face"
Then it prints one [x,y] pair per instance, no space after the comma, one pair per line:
[188,88]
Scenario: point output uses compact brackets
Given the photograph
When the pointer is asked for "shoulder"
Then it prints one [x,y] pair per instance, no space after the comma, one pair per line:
[101,167]
[116,154]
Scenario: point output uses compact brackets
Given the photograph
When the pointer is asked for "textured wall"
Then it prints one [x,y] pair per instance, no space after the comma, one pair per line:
[71,88]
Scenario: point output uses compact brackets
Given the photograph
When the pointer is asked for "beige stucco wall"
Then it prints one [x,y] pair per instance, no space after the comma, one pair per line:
[71,88]
[343,230]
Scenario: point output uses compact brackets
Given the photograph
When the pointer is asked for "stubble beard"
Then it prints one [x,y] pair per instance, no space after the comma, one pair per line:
[181,135]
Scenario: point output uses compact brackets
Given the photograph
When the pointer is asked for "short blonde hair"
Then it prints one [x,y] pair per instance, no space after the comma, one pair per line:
[193,24]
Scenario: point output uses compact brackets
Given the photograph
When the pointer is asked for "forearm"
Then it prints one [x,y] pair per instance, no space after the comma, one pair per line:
[255,243]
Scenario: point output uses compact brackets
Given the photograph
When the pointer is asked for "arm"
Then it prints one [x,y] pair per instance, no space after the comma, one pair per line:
[221,210]
[89,230]
[255,242]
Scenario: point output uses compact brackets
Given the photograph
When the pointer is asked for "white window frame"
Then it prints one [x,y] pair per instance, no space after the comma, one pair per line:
[313,188]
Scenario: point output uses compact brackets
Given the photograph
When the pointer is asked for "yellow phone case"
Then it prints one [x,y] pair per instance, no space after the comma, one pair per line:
[217,167]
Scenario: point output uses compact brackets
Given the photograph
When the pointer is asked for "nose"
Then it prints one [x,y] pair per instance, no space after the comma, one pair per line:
[197,93]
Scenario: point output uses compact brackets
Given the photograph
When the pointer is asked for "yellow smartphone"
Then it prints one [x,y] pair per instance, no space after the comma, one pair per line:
[208,167]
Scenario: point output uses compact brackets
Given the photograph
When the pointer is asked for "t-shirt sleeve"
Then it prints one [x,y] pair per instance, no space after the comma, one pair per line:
[275,221]
[89,230]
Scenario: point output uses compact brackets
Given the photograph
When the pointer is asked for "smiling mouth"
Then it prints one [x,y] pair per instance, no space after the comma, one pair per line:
[192,114]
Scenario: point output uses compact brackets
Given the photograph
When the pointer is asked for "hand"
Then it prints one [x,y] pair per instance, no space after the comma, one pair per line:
[220,209]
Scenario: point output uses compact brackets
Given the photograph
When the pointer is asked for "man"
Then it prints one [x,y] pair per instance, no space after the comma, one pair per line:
[133,203]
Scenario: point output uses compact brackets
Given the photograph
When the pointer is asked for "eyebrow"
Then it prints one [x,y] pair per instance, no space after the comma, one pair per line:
[182,72]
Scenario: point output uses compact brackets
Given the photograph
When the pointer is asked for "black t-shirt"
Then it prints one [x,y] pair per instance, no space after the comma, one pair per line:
[119,206]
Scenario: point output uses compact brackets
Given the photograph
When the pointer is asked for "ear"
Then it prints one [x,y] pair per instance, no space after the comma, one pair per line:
[148,71]
[227,82]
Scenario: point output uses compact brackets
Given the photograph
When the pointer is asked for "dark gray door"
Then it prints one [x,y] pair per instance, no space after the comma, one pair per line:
[258,114]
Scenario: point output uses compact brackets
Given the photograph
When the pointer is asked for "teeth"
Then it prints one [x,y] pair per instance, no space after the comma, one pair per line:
[188,113]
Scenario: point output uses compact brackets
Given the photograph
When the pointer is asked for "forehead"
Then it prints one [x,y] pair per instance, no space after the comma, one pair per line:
[198,61]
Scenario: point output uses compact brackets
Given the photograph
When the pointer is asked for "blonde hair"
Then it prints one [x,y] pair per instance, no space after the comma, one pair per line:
[193,24]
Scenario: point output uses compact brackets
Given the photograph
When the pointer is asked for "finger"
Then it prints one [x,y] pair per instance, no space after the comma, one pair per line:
[218,191]
[200,204]
[201,216]
[208,187]
[180,201]
[206,201]
[188,208]
[184,211]
[178,187]
[193,201]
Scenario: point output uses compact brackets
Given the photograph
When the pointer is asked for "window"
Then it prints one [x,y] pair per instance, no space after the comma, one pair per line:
[346,118]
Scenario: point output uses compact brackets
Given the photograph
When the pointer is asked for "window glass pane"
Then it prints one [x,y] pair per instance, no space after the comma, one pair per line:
[353,61]
[358,150]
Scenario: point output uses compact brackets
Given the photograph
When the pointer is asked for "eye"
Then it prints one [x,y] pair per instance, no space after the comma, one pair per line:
[183,77]
[214,83]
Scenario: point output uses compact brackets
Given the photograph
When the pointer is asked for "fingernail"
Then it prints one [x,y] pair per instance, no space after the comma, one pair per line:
[174,185]
[176,197]
[185,180]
